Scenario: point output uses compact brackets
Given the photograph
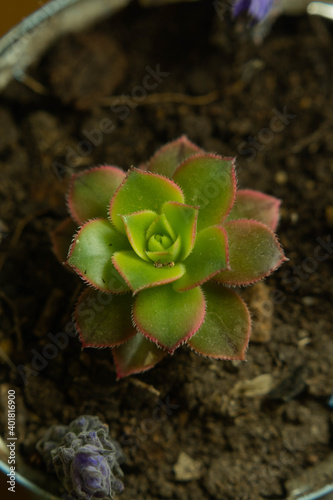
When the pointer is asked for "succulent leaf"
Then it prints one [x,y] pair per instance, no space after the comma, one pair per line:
[160,226]
[226,330]
[183,220]
[104,320]
[169,157]
[136,355]
[136,226]
[90,192]
[140,274]
[142,191]
[254,252]
[208,181]
[209,257]
[91,252]
[256,205]
[168,317]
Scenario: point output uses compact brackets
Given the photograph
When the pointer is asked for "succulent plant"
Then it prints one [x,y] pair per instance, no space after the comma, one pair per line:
[162,249]
[84,457]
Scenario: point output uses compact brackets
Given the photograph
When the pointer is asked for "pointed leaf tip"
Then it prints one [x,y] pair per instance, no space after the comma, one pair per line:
[169,157]
[140,274]
[254,252]
[136,226]
[226,330]
[168,317]
[137,355]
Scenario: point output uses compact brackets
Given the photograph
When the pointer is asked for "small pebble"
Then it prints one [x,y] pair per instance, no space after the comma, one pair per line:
[329,215]
[302,334]
[305,102]
[311,459]
[258,386]
[304,342]
[310,185]
[281,177]
[309,301]
[187,469]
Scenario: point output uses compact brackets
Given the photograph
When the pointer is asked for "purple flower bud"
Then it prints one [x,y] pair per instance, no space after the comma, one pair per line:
[84,457]
[258,9]
[90,474]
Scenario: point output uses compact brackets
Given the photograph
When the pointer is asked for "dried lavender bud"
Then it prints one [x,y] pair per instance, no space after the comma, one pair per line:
[84,457]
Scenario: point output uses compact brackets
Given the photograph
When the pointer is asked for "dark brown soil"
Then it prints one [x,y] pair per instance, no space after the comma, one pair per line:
[244,445]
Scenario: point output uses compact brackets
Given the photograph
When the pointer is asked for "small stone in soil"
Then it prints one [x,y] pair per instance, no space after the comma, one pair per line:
[187,469]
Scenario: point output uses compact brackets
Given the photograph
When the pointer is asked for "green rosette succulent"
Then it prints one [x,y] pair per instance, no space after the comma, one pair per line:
[162,248]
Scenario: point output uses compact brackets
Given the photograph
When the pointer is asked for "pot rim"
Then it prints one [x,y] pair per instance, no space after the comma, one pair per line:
[27,484]
[28,40]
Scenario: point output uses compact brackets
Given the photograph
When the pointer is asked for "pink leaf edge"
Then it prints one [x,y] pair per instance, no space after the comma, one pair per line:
[275,203]
[122,373]
[183,140]
[82,275]
[232,159]
[246,343]
[151,174]
[156,283]
[172,349]
[97,346]
[215,272]
[69,203]
[282,259]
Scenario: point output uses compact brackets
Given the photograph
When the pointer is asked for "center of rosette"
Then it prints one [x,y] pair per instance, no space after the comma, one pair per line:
[163,239]
[161,248]
[162,243]
[159,242]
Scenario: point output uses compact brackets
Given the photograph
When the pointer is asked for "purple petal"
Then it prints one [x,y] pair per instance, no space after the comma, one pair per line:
[240,6]
[256,8]
[260,8]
